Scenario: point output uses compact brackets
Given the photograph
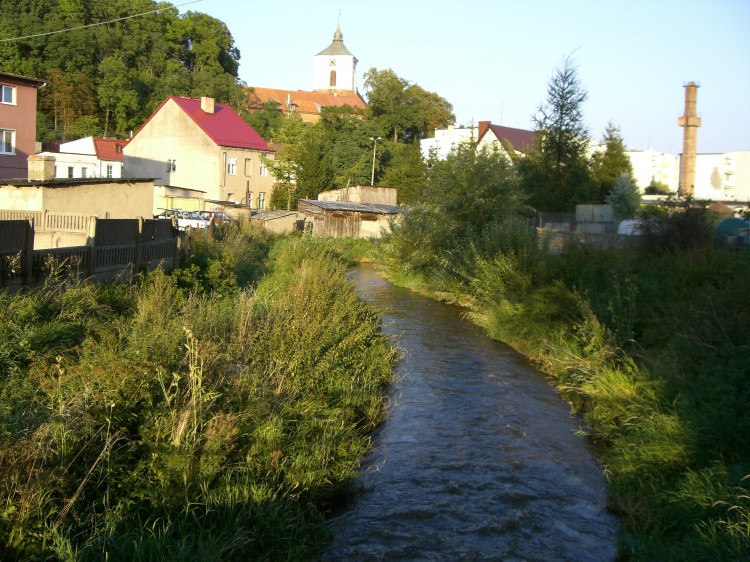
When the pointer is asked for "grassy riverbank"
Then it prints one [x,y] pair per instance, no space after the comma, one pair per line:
[189,416]
[649,345]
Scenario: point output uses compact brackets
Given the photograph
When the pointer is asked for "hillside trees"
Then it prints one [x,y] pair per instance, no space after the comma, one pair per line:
[113,76]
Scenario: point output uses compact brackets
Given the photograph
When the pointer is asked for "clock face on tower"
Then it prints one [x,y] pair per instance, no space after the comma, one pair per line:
[332,62]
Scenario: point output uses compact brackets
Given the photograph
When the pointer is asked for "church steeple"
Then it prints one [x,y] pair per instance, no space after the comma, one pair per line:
[335,66]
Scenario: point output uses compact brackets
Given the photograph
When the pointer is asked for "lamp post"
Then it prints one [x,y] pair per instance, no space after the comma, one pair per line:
[374,146]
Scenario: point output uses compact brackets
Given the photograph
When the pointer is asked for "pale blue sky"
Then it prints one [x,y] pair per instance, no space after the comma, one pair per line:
[492,59]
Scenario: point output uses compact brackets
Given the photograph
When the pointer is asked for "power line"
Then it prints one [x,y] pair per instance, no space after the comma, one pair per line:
[6,39]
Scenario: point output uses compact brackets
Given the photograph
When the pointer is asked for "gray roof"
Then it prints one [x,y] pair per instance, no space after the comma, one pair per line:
[337,47]
[357,207]
[270,214]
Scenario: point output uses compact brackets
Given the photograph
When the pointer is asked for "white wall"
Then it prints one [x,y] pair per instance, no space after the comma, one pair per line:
[651,164]
[445,140]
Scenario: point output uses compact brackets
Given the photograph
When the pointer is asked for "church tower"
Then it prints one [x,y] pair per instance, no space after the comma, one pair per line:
[336,67]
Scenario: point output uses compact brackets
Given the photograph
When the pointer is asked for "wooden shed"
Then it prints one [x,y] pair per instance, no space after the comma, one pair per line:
[344,219]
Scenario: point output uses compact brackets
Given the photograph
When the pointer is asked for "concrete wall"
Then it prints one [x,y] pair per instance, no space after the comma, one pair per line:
[652,164]
[362,194]
[94,167]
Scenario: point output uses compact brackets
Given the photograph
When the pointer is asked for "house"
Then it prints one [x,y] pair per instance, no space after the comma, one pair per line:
[203,146]
[486,135]
[505,138]
[335,81]
[277,221]
[89,157]
[18,96]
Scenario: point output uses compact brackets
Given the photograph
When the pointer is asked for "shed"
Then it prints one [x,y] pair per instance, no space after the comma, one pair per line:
[345,219]
[279,222]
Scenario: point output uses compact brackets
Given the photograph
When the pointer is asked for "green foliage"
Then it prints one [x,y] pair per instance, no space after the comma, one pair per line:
[624,197]
[404,111]
[657,188]
[607,166]
[152,422]
[116,73]
[406,170]
[555,171]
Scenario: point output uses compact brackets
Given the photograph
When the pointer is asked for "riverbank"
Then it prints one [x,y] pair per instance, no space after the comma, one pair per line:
[650,347]
[211,414]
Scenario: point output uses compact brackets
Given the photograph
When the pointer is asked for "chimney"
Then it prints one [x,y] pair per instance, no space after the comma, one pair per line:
[690,121]
[41,168]
[483,126]
[207,104]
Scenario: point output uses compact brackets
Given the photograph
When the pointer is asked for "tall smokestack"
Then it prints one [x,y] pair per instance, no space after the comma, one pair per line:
[690,121]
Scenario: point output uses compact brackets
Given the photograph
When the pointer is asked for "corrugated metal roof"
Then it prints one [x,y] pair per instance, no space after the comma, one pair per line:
[356,207]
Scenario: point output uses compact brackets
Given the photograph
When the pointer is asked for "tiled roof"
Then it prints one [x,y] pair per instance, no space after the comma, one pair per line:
[223,126]
[304,102]
[109,149]
[521,139]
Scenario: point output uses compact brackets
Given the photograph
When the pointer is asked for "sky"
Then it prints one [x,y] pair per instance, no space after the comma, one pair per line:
[493,59]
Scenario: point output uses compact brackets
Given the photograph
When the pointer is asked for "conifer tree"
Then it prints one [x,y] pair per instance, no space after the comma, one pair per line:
[608,165]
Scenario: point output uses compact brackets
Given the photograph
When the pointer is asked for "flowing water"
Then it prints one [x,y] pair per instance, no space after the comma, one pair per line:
[479,457]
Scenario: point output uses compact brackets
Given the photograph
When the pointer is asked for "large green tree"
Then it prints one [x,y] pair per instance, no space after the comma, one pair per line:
[403,111]
[115,74]
[555,172]
[609,164]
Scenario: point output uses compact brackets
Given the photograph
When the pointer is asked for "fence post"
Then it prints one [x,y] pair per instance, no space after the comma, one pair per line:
[28,250]
[137,258]
[92,248]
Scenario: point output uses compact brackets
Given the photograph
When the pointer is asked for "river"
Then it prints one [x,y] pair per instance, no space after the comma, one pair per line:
[478,458]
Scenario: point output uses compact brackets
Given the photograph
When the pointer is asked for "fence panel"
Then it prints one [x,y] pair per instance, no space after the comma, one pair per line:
[115,231]
[67,222]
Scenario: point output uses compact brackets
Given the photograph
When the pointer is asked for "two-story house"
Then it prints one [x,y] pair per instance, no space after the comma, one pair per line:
[17,123]
[89,157]
[200,145]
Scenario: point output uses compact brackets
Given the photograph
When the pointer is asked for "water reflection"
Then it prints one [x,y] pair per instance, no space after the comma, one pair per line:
[478,459]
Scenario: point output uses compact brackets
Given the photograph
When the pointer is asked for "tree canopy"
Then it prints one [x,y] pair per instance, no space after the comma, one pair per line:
[608,165]
[109,78]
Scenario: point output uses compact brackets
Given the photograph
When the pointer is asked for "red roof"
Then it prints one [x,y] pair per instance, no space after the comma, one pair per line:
[521,139]
[302,101]
[223,126]
[109,149]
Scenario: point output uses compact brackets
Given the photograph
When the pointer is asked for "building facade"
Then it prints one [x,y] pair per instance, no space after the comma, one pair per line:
[18,96]
[89,157]
[203,146]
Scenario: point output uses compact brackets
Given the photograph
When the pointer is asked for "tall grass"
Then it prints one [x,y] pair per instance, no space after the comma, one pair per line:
[188,417]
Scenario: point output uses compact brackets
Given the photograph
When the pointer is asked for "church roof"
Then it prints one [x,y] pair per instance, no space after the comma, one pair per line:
[302,101]
[337,47]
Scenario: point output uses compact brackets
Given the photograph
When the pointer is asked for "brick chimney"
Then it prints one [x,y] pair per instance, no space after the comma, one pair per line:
[41,168]
[207,104]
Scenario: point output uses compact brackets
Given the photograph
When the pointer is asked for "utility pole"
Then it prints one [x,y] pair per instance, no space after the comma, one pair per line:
[374,146]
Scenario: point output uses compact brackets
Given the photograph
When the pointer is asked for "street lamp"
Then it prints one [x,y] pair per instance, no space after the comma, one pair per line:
[374,146]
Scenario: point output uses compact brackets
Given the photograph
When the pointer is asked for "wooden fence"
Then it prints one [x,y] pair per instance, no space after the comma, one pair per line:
[118,248]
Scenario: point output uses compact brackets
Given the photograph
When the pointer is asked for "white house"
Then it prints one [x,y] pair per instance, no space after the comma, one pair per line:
[89,157]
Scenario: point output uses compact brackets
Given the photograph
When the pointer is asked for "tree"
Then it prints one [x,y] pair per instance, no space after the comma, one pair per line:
[625,197]
[405,170]
[267,120]
[555,173]
[608,165]
[403,111]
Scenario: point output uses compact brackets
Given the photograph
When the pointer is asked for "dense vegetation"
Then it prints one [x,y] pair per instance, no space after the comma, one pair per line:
[187,417]
[649,344]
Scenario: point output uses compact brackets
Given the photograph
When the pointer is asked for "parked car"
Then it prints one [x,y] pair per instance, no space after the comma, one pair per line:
[218,216]
[185,219]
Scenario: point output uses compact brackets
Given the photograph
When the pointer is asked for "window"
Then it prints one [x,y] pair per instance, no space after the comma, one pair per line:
[248,167]
[70,171]
[333,79]
[261,200]
[8,94]
[232,166]
[84,172]
[171,165]
[7,145]
[263,170]
[109,171]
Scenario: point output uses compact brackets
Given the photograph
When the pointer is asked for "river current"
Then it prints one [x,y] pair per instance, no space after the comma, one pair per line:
[478,458]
